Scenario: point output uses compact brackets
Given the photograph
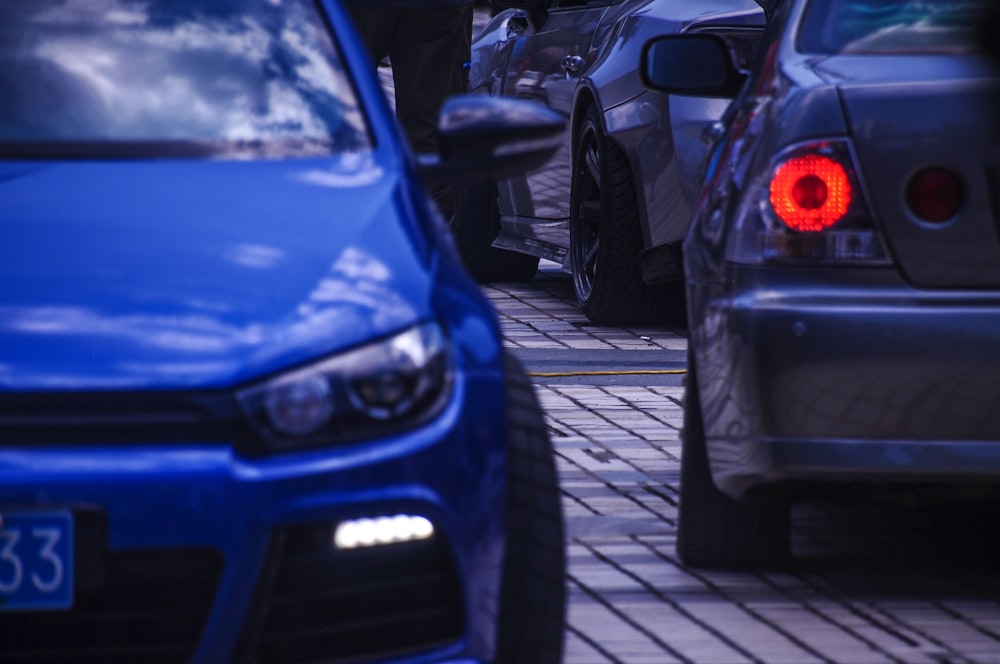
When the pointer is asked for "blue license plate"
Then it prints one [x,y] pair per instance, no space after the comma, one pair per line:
[36,561]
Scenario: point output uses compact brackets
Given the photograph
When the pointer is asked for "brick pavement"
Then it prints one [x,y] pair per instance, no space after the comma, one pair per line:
[871,583]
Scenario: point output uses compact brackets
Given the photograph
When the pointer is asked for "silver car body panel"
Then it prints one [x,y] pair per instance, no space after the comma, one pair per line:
[854,373]
[591,55]
[872,380]
[934,117]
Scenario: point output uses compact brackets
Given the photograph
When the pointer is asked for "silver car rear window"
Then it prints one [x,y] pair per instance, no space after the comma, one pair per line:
[890,26]
[173,77]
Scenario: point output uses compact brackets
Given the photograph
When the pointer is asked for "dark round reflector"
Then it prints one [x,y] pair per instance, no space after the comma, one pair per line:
[809,192]
[934,194]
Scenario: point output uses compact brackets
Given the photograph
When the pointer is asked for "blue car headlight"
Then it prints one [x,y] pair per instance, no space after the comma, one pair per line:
[386,386]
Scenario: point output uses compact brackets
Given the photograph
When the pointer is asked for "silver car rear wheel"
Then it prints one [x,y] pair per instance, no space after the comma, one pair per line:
[605,238]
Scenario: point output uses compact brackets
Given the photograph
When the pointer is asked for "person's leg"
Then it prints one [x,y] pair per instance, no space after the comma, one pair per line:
[428,55]
[428,65]
[460,84]
[377,26]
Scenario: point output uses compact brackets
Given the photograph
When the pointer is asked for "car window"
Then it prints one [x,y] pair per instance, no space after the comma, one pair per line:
[889,26]
[172,77]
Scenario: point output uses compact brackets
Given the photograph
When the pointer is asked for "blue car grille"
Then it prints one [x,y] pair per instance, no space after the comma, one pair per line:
[108,418]
[149,607]
[324,605]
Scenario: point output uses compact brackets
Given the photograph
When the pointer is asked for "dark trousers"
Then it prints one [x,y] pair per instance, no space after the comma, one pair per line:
[428,49]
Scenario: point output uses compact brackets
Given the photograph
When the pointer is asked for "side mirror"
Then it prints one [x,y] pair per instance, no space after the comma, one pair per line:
[487,138]
[697,65]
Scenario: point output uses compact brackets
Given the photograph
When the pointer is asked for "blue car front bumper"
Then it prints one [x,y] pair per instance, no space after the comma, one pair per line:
[191,552]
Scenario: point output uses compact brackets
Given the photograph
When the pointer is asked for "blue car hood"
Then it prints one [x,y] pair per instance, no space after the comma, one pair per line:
[168,275]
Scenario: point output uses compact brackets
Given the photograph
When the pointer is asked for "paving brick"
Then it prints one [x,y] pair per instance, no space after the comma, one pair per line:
[630,599]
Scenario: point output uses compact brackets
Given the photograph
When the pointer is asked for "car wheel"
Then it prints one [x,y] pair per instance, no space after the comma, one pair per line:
[605,239]
[714,530]
[533,595]
[475,225]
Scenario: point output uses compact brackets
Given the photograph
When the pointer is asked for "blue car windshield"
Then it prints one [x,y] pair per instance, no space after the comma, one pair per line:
[890,26]
[162,78]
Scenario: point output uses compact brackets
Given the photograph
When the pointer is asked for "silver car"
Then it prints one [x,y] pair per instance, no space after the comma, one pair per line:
[843,268]
[613,207]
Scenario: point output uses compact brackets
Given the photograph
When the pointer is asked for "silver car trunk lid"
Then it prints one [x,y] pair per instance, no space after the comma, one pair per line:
[907,113]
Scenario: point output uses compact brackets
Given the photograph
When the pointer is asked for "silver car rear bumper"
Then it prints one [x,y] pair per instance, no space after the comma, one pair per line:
[855,383]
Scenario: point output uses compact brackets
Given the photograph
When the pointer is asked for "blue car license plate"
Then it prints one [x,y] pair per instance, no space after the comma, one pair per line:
[36,561]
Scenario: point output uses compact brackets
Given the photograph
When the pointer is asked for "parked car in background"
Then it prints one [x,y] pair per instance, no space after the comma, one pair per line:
[843,267]
[612,207]
[252,408]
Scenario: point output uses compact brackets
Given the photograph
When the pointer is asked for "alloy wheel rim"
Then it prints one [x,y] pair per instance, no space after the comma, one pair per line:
[587,215]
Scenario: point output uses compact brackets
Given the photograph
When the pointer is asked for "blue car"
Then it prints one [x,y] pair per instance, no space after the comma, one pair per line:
[252,408]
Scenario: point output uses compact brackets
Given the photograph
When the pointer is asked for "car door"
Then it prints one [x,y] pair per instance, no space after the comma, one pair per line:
[551,54]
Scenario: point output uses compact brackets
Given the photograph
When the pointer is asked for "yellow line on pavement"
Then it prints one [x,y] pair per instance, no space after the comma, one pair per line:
[639,372]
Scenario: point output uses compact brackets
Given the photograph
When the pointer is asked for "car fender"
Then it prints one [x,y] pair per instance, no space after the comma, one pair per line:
[661,135]
[637,121]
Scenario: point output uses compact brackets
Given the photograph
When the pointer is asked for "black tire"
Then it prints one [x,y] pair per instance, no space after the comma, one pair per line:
[533,593]
[475,226]
[714,530]
[605,238]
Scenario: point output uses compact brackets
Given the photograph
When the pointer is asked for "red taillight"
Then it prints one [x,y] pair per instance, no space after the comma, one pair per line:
[934,194]
[810,193]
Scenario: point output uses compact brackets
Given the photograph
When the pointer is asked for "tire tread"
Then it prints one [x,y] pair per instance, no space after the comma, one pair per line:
[619,294]
[713,529]
[533,596]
